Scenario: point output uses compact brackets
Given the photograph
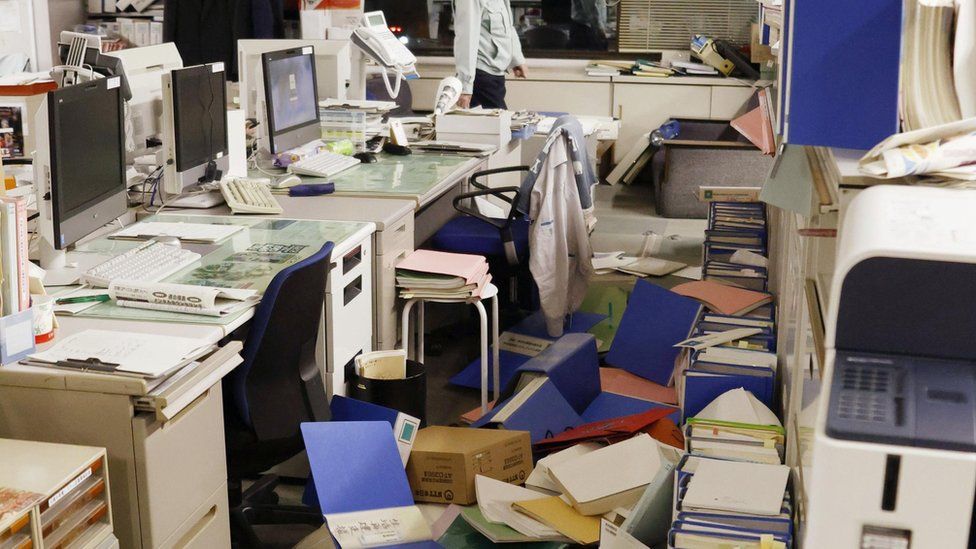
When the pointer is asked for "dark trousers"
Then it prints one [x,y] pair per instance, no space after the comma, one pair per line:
[489,91]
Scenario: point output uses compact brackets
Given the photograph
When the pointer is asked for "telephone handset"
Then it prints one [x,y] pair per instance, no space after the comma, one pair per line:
[381,44]
[373,36]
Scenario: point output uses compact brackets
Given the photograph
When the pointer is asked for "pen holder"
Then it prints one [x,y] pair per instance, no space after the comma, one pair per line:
[16,336]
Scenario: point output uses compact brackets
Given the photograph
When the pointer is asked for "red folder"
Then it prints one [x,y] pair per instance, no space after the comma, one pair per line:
[653,422]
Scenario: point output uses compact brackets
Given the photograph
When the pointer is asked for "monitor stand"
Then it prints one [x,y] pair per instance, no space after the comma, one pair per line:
[57,271]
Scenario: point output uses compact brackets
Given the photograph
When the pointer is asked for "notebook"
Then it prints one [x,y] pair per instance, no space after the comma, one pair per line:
[752,488]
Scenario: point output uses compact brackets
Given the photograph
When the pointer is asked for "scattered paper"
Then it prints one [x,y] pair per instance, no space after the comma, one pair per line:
[711,340]
[691,273]
[736,487]
[379,527]
[745,257]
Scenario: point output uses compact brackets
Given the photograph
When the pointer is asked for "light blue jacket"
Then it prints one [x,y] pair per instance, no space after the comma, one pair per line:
[484,38]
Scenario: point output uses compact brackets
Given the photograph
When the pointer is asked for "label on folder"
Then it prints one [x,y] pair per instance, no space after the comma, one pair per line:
[379,527]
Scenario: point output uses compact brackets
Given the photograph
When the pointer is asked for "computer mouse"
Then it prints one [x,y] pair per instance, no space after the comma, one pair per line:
[289,180]
[168,240]
[365,157]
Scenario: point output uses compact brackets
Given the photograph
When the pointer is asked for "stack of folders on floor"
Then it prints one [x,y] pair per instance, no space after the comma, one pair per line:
[737,427]
[721,503]
[570,492]
[735,227]
[733,290]
[428,274]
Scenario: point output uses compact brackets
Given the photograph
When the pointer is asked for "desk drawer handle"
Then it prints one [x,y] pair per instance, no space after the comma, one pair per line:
[352,259]
[198,528]
[352,290]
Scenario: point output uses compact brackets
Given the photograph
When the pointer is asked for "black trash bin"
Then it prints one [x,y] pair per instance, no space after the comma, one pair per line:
[404,395]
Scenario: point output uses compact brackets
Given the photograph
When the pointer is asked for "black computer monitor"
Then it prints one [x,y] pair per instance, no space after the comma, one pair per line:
[199,115]
[83,154]
[291,98]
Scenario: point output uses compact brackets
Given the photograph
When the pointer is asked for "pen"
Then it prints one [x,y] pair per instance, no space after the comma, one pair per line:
[83,299]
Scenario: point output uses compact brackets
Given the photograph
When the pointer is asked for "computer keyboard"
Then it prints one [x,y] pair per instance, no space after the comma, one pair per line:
[323,164]
[249,196]
[149,262]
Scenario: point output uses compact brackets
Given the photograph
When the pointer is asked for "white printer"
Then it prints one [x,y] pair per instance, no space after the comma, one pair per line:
[894,459]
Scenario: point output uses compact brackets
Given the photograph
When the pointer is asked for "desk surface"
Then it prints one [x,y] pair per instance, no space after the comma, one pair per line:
[421,177]
[380,211]
[248,259]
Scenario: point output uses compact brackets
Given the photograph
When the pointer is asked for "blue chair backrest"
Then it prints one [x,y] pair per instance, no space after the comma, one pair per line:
[278,386]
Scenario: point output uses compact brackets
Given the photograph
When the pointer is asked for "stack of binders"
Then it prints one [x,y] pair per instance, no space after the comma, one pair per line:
[736,232]
[721,503]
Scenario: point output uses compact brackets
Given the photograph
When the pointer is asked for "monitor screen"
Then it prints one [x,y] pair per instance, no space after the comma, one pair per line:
[87,146]
[290,90]
[199,115]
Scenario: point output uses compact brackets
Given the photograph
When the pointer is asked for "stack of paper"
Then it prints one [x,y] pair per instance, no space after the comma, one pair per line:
[559,515]
[495,499]
[643,67]
[731,504]
[364,118]
[147,356]
[614,477]
[736,426]
[689,68]
[928,89]
[441,275]
[607,262]
[607,67]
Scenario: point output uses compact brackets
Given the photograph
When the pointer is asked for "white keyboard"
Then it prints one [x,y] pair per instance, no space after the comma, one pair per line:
[323,164]
[251,196]
[150,262]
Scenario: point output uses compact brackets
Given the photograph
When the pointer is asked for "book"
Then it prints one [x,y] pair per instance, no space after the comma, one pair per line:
[21,246]
[723,298]
[612,477]
[738,487]
[10,285]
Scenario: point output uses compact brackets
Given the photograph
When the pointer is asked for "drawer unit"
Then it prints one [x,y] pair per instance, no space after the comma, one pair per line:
[349,308]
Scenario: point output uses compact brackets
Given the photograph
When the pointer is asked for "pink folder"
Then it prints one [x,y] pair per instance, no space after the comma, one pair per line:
[471,268]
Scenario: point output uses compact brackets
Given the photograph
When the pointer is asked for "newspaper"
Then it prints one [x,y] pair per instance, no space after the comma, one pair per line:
[181,298]
[947,150]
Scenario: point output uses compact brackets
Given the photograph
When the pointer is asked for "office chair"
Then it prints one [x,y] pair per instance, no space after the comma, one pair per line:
[276,388]
[503,241]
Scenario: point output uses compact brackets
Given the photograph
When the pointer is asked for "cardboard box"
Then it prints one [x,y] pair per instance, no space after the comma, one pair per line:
[444,461]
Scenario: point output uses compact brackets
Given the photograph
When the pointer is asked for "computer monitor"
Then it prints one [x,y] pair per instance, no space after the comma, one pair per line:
[79,165]
[333,70]
[194,127]
[291,98]
[144,69]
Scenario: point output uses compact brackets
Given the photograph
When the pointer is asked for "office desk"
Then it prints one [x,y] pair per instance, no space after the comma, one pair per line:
[392,241]
[430,180]
[250,259]
[167,470]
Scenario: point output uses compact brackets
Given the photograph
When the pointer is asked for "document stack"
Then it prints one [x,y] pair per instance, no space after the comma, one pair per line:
[733,342]
[428,274]
[355,120]
[721,503]
[736,427]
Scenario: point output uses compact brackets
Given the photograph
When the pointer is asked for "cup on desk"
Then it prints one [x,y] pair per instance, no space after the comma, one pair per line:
[43,306]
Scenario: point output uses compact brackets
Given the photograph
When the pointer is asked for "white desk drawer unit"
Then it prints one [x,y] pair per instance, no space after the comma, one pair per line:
[167,469]
[392,244]
[348,330]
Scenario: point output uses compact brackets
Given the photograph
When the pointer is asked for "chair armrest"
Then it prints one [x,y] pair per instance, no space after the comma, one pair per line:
[498,192]
[476,176]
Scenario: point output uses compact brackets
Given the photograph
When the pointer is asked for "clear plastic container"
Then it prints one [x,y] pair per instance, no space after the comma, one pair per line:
[340,124]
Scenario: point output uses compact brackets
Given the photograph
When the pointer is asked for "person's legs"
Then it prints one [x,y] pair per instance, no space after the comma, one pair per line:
[489,91]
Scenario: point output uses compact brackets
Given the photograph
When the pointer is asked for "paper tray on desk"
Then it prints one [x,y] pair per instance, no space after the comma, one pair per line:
[177,397]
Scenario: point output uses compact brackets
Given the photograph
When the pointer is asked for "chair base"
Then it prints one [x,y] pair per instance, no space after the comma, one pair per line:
[257,506]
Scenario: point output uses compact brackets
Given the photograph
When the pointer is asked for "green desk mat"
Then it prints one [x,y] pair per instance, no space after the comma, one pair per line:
[248,259]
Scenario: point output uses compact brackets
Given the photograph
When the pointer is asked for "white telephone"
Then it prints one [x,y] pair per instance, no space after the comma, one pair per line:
[373,36]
